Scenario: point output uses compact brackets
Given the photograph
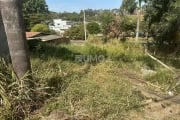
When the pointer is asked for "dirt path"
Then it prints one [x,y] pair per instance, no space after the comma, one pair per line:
[156,105]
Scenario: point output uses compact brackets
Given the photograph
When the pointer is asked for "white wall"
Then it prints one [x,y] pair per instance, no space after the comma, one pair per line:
[60,26]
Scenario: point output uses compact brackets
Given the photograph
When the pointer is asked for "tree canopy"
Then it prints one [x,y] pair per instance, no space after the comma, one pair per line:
[128,6]
[93,28]
[163,17]
[34,6]
[106,19]
[76,32]
[35,11]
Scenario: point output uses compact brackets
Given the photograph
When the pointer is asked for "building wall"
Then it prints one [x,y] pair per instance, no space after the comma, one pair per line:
[60,26]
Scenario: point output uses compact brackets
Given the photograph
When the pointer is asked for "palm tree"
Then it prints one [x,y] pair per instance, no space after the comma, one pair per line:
[11,11]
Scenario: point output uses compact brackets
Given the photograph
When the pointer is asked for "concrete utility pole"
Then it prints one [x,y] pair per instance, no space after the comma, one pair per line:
[85,32]
[138,20]
[11,11]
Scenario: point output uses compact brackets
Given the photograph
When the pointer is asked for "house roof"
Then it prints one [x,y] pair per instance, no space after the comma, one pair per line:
[32,34]
[50,37]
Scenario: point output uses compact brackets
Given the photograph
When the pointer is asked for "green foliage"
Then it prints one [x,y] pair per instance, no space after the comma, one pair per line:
[40,28]
[121,27]
[93,28]
[91,15]
[76,32]
[70,16]
[128,6]
[35,12]
[33,19]
[34,6]
[106,19]
[128,24]
[163,22]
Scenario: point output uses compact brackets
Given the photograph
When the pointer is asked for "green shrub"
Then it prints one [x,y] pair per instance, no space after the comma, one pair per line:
[40,28]
[76,33]
[93,28]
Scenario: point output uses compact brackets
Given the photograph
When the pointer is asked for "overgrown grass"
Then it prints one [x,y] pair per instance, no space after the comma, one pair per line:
[98,93]
[167,80]
[18,97]
[84,88]
[95,90]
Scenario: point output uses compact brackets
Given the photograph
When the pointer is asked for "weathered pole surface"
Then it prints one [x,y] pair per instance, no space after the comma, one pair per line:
[11,11]
[4,49]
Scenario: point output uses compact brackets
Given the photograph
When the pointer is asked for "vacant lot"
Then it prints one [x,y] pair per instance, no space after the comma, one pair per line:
[125,84]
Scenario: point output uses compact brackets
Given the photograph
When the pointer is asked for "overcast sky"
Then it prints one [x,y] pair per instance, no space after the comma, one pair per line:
[77,5]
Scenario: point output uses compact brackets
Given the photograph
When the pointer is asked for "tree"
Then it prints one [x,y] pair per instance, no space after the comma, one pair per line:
[163,17]
[93,28]
[40,28]
[34,6]
[13,23]
[128,6]
[35,12]
[122,26]
[106,19]
[76,32]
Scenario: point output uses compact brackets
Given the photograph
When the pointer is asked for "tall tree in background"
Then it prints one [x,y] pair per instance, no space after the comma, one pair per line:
[34,6]
[128,6]
[35,12]
[11,11]
[106,18]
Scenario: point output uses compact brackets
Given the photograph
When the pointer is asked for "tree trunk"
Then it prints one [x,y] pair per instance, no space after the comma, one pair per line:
[11,11]
[4,49]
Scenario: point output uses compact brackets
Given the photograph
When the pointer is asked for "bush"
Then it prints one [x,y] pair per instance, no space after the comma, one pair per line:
[93,28]
[76,33]
[40,28]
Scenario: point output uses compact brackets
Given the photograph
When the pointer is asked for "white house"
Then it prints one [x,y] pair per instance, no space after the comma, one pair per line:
[60,26]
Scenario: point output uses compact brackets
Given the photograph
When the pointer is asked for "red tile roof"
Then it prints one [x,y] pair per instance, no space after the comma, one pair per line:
[32,34]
